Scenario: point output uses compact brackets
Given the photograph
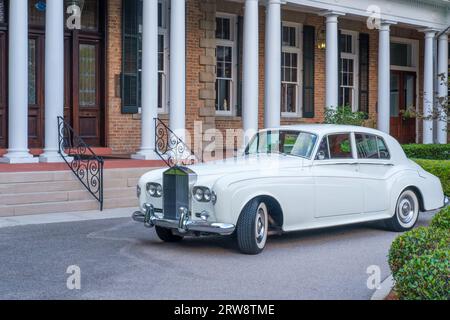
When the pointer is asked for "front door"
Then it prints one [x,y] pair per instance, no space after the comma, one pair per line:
[403,106]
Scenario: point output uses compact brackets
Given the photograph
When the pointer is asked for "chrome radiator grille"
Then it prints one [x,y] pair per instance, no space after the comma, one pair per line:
[176,192]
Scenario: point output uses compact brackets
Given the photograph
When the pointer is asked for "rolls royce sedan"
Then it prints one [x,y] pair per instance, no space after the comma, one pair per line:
[288,179]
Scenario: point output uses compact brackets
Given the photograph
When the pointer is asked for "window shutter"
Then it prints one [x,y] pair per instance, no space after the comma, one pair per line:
[309,45]
[239,48]
[364,72]
[340,94]
[130,83]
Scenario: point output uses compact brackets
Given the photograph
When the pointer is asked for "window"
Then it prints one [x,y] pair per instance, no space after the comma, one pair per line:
[401,54]
[132,56]
[335,146]
[32,71]
[367,146]
[294,143]
[348,95]
[290,70]
[225,55]
[88,75]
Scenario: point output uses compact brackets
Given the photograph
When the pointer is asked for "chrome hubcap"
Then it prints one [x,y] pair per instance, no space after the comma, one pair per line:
[406,209]
[261,218]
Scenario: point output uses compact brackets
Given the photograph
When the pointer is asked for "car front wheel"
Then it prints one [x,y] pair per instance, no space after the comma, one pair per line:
[252,228]
[167,235]
[406,212]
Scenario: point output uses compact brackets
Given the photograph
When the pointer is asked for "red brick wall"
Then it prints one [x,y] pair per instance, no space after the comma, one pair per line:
[124,130]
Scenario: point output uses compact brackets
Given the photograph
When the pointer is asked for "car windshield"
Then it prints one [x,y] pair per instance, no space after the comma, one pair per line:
[287,142]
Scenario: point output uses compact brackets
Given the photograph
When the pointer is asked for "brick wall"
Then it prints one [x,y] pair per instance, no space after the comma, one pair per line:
[124,130]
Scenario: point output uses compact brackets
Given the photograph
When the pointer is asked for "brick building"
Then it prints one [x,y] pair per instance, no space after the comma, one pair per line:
[216,63]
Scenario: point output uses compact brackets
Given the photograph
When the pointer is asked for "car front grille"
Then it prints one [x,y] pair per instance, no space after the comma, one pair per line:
[176,192]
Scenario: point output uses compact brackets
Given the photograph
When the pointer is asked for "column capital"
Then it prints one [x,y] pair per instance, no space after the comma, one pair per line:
[429,32]
[269,2]
[443,36]
[330,14]
[385,25]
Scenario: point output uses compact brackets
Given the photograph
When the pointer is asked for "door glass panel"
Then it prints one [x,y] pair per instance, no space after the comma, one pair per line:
[88,76]
[340,146]
[410,82]
[2,11]
[367,146]
[32,68]
[395,95]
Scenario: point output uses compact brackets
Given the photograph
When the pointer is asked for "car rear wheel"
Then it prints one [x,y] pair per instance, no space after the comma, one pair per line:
[252,228]
[167,235]
[406,212]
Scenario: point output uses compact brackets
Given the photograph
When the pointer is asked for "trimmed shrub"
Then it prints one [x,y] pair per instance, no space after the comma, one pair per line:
[440,169]
[427,151]
[417,242]
[425,277]
[442,219]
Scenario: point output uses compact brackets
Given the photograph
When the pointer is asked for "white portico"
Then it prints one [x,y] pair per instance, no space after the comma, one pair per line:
[430,17]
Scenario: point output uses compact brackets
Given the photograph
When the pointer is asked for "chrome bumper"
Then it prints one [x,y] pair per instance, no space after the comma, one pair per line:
[446,201]
[184,224]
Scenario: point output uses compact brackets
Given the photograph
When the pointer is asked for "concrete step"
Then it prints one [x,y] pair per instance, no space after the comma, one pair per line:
[55,207]
[107,194]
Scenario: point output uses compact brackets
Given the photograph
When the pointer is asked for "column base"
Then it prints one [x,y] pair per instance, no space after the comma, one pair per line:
[146,155]
[51,157]
[18,158]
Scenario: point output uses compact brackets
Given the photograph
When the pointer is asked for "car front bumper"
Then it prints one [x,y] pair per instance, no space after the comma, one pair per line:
[184,224]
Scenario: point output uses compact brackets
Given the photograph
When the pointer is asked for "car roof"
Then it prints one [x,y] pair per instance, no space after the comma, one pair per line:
[324,129]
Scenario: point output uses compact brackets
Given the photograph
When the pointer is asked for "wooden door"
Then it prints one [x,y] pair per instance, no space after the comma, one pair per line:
[403,98]
[3,95]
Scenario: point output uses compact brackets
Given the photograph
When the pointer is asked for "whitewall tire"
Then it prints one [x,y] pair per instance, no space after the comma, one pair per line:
[253,226]
[406,212]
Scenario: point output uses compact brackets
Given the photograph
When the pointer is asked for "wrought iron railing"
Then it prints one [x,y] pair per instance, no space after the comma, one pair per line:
[172,149]
[81,159]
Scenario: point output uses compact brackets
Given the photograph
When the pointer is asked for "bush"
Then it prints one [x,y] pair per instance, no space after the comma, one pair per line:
[417,242]
[440,169]
[427,151]
[425,277]
[344,115]
[442,219]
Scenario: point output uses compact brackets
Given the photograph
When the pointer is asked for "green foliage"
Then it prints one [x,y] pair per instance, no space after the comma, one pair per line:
[440,169]
[417,242]
[344,115]
[425,277]
[442,219]
[427,151]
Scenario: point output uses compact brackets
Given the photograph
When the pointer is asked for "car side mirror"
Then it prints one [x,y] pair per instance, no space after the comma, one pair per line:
[321,155]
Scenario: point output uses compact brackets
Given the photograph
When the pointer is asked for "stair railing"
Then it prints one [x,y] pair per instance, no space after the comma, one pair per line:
[171,148]
[82,160]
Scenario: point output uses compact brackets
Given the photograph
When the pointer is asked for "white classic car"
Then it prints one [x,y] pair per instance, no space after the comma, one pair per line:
[291,178]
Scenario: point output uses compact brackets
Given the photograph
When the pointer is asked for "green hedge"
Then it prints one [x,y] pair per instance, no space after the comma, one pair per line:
[427,151]
[442,219]
[425,277]
[417,242]
[440,169]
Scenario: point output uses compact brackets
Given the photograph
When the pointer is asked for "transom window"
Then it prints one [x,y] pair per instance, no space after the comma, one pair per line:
[335,146]
[291,70]
[2,11]
[225,57]
[402,54]
[348,70]
[371,147]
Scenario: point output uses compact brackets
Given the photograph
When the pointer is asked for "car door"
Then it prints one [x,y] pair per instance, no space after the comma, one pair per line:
[375,166]
[338,187]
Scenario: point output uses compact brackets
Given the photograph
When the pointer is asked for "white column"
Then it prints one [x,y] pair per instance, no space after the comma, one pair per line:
[428,91]
[332,59]
[250,70]
[178,68]
[54,78]
[18,151]
[384,77]
[443,88]
[272,112]
[149,81]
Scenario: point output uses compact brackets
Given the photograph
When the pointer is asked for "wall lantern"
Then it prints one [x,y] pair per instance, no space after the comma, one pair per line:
[321,38]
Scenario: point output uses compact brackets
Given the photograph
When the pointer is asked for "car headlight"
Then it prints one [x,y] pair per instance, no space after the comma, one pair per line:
[202,194]
[155,190]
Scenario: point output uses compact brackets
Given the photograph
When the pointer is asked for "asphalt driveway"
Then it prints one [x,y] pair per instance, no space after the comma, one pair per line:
[120,259]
